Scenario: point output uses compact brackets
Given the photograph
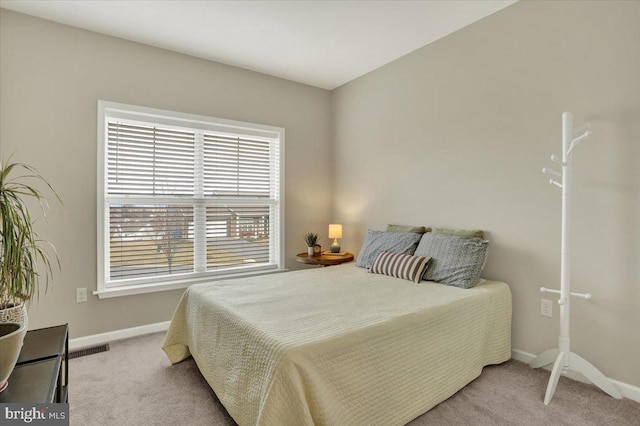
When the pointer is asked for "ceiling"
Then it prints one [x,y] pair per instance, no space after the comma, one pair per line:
[320,43]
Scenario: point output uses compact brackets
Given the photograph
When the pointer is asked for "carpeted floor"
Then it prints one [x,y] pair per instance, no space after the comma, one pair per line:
[134,384]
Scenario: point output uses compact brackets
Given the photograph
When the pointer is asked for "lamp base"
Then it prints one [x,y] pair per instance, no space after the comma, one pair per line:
[335,247]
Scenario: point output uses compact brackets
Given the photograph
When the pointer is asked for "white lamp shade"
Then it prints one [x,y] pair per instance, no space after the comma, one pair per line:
[335,230]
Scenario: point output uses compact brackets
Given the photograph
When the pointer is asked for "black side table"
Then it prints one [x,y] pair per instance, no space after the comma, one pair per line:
[42,371]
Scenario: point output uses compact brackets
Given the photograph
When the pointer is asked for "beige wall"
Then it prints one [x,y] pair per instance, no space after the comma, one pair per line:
[51,77]
[455,134]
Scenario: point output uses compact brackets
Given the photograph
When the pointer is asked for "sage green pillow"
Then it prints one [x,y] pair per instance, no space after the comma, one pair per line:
[467,233]
[407,228]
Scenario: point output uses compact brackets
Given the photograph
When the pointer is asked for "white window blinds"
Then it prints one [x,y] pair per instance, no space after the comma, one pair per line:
[149,160]
[183,202]
[236,167]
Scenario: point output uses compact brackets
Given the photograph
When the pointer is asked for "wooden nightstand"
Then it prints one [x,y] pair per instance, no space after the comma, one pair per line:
[325,259]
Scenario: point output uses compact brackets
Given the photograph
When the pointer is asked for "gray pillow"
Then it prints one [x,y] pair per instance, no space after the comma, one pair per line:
[392,242]
[472,233]
[456,261]
[407,228]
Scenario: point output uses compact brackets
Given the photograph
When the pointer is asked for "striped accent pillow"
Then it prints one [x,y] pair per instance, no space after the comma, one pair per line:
[400,265]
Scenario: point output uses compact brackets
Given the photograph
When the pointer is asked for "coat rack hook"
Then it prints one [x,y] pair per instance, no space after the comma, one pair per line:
[553,182]
[585,126]
[552,172]
[575,142]
[557,159]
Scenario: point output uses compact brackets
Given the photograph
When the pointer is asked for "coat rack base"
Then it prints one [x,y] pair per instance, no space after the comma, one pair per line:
[563,361]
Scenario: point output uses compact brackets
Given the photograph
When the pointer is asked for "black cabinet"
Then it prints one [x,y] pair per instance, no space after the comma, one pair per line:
[41,374]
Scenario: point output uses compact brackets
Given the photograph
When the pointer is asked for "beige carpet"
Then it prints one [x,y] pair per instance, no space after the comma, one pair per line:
[134,384]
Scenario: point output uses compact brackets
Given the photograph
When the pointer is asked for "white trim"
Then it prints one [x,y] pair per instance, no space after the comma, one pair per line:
[627,390]
[177,119]
[110,336]
[101,212]
[209,201]
[281,191]
[186,279]
[131,289]
[137,114]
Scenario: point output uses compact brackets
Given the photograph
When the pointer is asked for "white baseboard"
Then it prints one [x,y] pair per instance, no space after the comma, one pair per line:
[98,339]
[627,390]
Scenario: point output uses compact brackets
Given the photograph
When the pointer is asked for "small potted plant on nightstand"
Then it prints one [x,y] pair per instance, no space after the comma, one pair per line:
[23,259]
[312,240]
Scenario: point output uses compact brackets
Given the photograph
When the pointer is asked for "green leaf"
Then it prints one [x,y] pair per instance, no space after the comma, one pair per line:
[22,254]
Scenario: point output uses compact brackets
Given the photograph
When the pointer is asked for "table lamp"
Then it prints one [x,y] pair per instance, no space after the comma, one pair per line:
[335,232]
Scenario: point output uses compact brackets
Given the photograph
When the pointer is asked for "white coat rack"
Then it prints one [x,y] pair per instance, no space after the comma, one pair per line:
[565,359]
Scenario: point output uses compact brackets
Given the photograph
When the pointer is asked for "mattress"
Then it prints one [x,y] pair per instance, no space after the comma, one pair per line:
[338,345]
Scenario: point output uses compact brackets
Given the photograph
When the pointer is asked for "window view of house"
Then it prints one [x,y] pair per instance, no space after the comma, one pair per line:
[148,240]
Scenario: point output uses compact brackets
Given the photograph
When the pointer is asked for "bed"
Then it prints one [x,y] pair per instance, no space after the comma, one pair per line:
[338,345]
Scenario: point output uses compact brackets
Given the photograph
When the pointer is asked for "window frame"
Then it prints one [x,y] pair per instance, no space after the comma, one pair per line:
[108,110]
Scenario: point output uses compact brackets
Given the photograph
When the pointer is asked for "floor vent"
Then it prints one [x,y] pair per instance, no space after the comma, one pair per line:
[89,351]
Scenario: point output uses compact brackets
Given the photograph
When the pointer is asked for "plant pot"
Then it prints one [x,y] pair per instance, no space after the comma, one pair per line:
[11,338]
[310,251]
[17,314]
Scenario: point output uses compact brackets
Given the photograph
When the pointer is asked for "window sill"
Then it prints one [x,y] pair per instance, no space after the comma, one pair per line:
[153,288]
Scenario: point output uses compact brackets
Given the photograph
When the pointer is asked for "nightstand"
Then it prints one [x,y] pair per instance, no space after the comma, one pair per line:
[325,259]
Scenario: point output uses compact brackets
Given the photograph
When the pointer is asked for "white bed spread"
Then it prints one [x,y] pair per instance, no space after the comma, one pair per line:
[339,345]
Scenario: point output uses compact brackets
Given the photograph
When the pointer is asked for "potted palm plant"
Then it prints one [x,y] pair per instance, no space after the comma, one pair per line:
[311,239]
[23,259]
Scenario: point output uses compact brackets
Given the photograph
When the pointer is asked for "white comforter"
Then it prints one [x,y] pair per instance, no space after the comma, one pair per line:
[339,345]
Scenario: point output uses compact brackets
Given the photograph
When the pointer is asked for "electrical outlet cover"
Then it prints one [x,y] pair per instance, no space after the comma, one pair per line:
[81,295]
[546,308]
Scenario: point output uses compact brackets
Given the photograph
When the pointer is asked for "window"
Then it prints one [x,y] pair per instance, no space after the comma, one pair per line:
[184,198]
